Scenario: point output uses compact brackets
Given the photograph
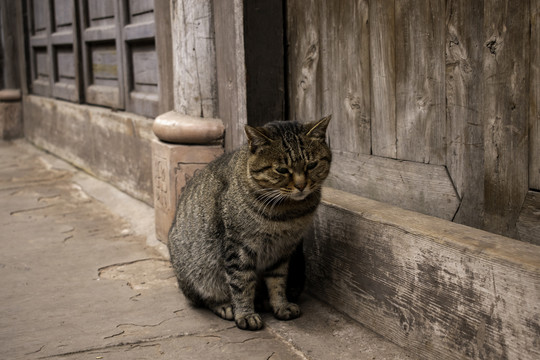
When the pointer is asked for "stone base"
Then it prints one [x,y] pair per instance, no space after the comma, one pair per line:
[10,120]
[172,166]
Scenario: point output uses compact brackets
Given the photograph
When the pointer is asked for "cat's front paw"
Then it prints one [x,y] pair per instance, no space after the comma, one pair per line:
[249,322]
[288,311]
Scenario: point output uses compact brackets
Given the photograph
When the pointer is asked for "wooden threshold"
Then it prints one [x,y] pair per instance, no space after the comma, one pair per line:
[436,288]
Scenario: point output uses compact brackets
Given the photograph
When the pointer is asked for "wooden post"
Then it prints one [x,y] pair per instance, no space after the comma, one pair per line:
[250,70]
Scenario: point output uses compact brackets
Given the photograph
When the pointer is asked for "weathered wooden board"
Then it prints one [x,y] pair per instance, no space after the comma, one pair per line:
[231,72]
[505,112]
[465,142]
[164,52]
[534,106]
[529,219]
[195,61]
[414,186]
[439,289]
[330,69]
[420,76]
[383,78]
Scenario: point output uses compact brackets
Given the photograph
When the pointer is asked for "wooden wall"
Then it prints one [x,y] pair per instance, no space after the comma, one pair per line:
[434,104]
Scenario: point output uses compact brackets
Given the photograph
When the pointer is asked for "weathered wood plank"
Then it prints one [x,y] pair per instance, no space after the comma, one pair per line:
[231,74]
[414,186]
[335,34]
[164,52]
[505,112]
[534,106]
[420,75]
[438,289]
[529,219]
[345,90]
[465,142]
[195,61]
[383,78]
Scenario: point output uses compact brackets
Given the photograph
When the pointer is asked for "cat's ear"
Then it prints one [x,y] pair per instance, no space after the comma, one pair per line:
[257,137]
[317,129]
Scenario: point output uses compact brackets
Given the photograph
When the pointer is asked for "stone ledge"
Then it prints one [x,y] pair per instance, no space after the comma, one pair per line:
[435,288]
[10,95]
[177,128]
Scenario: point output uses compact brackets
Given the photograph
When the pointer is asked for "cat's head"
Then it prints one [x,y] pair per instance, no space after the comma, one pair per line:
[288,158]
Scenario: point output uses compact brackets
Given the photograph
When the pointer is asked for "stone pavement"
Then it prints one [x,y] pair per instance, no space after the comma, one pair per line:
[82,277]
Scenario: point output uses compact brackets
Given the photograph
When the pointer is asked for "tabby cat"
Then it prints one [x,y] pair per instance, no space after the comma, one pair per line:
[239,220]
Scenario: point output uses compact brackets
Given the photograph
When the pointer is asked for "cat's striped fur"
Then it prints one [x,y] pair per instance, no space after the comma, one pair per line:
[240,219]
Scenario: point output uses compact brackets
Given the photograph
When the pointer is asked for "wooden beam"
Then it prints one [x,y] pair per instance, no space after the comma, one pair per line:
[414,186]
[439,289]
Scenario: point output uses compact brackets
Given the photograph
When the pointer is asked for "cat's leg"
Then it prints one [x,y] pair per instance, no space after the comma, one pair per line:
[242,280]
[276,282]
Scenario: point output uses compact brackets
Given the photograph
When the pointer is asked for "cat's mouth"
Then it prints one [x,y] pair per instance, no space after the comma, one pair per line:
[299,195]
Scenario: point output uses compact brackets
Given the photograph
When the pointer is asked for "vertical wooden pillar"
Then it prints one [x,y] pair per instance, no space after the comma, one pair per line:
[250,65]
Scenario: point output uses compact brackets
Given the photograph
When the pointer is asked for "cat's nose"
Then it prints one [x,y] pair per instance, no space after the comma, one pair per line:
[299,181]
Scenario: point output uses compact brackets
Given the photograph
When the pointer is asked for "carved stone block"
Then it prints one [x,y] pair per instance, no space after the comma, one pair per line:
[172,166]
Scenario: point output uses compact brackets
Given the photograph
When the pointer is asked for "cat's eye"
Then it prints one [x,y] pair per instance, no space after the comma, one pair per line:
[282,170]
[311,165]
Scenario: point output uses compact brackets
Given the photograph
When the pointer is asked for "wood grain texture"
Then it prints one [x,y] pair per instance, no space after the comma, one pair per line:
[194,62]
[534,106]
[164,52]
[439,289]
[231,72]
[505,112]
[383,78]
[529,219]
[420,76]
[465,138]
[330,69]
[424,188]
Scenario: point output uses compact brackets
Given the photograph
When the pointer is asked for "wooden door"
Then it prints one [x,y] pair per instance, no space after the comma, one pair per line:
[434,105]
[54,52]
